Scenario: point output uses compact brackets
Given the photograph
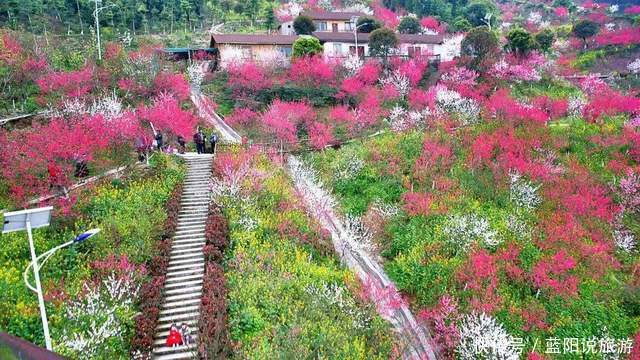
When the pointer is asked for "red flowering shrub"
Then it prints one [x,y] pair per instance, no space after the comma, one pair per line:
[479,276]
[632,10]
[241,116]
[311,71]
[247,76]
[67,84]
[621,37]
[552,274]
[501,105]
[443,319]
[167,115]
[172,83]
[284,118]
[417,203]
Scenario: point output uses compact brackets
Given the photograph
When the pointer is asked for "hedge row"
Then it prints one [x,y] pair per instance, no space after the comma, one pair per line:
[150,298]
[214,321]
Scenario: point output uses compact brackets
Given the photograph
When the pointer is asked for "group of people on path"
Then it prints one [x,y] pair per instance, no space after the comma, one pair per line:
[199,138]
[179,336]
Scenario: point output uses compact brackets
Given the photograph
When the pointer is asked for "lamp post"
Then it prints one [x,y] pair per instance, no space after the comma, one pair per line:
[33,219]
[47,254]
[354,21]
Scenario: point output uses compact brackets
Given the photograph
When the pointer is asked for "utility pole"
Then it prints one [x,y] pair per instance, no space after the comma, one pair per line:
[96,16]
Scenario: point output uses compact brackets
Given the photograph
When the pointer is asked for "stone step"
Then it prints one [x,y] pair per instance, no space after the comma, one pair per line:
[166,326]
[179,317]
[187,302]
[183,284]
[185,267]
[177,356]
[187,245]
[199,259]
[187,254]
[184,291]
[179,273]
[200,226]
[188,240]
[191,295]
[178,310]
[187,349]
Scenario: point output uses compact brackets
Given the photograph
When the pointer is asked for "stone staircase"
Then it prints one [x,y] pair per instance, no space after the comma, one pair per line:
[183,286]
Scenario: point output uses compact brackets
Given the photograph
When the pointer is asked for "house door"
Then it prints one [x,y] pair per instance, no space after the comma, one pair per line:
[352,51]
[334,27]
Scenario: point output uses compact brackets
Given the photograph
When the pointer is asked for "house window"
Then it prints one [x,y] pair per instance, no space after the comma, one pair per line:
[414,51]
[286,50]
[348,26]
[337,49]
[334,27]
[321,26]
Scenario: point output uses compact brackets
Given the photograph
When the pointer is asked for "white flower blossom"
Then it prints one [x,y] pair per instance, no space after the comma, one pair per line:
[634,66]
[195,73]
[464,230]
[522,192]
[482,337]
[339,296]
[385,210]
[610,26]
[73,107]
[575,106]
[95,318]
[624,240]
[399,80]
[534,17]
[400,119]
[348,167]
[352,64]
[358,233]
[614,8]
[449,101]
[110,107]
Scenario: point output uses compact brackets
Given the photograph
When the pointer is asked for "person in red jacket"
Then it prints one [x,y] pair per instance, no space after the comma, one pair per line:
[56,181]
[175,338]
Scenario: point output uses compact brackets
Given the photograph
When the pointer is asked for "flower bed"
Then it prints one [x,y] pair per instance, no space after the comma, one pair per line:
[517,228]
[287,298]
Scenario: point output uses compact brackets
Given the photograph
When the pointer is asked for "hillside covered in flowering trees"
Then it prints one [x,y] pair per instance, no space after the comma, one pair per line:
[475,196]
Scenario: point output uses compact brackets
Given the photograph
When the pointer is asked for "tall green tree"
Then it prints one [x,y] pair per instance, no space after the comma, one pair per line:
[481,13]
[585,29]
[303,25]
[481,44]
[409,25]
[520,42]
[545,39]
[382,42]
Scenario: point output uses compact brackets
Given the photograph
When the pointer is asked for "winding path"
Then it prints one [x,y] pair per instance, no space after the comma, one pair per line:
[321,205]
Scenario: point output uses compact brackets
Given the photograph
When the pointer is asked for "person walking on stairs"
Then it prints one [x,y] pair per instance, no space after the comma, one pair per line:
[175,338]
[199,139]
[213,140]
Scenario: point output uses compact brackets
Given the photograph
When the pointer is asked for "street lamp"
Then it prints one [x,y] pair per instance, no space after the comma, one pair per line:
[96,14]
[47,254]
[354,21]
[34,219]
